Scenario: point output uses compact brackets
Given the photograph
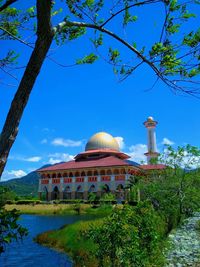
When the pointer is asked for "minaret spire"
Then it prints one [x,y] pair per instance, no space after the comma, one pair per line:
[150,124]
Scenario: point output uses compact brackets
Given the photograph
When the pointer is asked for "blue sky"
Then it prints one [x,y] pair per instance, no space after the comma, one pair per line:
[69,105]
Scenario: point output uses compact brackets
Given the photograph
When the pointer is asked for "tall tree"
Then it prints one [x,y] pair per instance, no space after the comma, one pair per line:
[174,57]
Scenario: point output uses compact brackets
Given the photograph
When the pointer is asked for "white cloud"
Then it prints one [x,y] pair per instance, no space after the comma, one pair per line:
[166,141]
[29,159]
[59,157]
[120,141]
[136,152]
[66,142]
[43,141]
[33,159]
[12,174]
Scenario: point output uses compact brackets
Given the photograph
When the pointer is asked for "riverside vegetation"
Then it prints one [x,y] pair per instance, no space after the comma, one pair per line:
[127,235]
[137,235]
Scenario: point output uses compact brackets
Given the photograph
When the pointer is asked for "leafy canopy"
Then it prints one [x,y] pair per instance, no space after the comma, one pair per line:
[173,54]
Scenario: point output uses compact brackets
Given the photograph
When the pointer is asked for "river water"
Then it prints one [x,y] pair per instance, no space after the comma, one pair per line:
[27,253]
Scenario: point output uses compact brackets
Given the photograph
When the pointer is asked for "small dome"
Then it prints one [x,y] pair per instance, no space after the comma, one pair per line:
[102,140]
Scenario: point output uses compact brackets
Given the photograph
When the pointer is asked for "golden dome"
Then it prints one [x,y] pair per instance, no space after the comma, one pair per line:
[102,140]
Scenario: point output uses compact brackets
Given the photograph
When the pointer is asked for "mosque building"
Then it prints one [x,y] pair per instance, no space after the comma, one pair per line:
[101,168]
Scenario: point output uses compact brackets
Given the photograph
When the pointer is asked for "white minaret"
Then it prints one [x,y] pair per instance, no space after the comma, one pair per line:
[150,124]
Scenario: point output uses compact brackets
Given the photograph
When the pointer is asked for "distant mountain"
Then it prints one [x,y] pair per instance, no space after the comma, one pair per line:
[26,185]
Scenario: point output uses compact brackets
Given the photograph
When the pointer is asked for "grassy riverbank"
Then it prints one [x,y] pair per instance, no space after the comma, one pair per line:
[69,239]
[50,209]
[79,242]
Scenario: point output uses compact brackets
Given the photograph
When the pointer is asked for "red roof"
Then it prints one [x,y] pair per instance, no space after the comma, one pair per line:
[153,167]
[102,162]
[103,151]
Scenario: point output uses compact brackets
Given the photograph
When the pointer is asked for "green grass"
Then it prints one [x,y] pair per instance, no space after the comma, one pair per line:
[48,209]
[70,240]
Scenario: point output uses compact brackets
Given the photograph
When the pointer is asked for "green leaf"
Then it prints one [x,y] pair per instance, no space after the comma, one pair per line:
[188,15]
[113,55]
[89,59]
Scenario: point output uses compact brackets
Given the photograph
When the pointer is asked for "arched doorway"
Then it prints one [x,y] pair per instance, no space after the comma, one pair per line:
[92,189]
[105,188]
[55,193]
[44,194]
[119,192]
[67,193]
[79,192]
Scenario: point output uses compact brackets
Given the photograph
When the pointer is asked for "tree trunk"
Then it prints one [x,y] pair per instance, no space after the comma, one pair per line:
[42,45]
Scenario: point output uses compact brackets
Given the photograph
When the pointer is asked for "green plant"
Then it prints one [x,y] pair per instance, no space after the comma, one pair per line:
[77,207]
[174,191]
[128,237]
[9,227]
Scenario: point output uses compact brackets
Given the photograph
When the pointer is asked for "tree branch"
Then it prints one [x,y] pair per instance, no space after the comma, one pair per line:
[128,7]
[65,23]
[15,37]
[7,4]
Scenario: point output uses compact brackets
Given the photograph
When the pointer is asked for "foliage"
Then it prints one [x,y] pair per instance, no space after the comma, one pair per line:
[174,62]
[26,186]
[9,228]
[174,191]
[133,187]
[5,195]
[108,197]
[128,237]
[198,226]
[77,207]
[92,197]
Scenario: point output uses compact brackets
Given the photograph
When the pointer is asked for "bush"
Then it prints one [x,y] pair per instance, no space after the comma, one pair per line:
[108,202]
[130,236]
[71,201]
[9,202]
[27,202]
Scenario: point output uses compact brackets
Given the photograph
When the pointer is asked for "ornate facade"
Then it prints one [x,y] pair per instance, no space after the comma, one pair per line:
[101,168]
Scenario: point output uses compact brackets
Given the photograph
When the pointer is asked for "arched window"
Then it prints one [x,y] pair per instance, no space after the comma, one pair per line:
[59,175]
[120,187]
[109,172]
[106,188]
[77,174]
[102,172]
[96,173]
[79,188]
[83,174]
[65,174]
[54,175]
[67,189]
[89,173]
[92,189]
[122,171]
[116,171]
[71,174]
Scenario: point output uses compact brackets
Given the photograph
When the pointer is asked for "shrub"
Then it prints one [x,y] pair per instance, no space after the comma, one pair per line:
[9,202]
[27,202]
[130,236]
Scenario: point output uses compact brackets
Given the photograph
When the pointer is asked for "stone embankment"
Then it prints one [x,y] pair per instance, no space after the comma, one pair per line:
[185,249]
